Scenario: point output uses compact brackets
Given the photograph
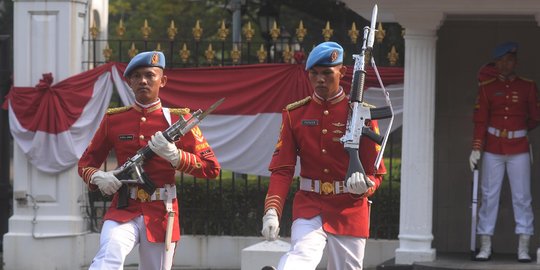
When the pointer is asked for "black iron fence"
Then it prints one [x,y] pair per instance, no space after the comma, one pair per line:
[6,193]
[233,203]
[217,49]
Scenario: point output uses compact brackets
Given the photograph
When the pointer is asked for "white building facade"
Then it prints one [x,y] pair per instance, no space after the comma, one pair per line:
[48,229]
[437,120]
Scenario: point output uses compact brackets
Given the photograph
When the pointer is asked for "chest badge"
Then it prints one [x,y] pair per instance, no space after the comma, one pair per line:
[125,137]
[310,122]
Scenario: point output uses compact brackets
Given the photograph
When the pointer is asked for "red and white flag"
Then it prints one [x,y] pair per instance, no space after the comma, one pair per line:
[53,123]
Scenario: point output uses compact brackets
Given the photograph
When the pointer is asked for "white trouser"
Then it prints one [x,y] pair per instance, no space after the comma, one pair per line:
[118,239]
[307,245]
[519,176]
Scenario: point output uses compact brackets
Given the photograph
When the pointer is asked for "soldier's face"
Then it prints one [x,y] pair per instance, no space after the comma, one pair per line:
[146,82]
[325,80]
[506,64]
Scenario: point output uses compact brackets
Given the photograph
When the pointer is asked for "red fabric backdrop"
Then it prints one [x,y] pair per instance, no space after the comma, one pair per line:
[248,89]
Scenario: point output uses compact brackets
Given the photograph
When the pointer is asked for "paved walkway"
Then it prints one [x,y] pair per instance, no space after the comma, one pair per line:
[462,261]
[446,261]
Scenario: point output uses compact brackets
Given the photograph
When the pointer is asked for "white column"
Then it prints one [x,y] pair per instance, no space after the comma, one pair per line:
[47,215]
[416,208]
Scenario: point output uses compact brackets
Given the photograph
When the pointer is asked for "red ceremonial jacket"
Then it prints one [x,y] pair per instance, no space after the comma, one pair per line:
[506,105]
[311,129]
[128,129]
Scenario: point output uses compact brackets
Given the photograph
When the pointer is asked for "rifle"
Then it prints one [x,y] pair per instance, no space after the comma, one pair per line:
[474,206]
[131,172]
[359,111]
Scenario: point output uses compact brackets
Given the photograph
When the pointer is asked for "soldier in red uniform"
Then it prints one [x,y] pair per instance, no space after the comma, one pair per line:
[326,211]
[506,109]
[126,130]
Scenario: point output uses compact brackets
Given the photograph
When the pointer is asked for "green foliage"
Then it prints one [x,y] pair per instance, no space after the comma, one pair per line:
[234,205]
[230,206]
[314,15]
[160,13]
[385,207]
[385,212]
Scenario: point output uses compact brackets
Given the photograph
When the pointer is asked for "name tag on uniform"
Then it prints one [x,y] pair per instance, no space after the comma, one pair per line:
[310,122]
[124,137]
[498,94]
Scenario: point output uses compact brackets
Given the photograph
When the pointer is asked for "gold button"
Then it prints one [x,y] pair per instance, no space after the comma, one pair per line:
[324,151]
[506,108]
[326,170]
[141,137]
[506,117]
[325,112]
[143,119]
[324,131]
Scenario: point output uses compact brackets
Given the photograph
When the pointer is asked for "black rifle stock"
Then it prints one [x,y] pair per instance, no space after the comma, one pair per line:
[360,112]
[131,172]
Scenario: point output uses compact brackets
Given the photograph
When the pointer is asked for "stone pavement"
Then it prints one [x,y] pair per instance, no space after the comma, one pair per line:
[462,261]
[444,261]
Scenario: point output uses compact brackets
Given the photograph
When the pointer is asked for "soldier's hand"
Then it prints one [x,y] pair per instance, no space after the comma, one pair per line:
[270,228]
[164,148]
[106,182]
[473,159]
[358,183]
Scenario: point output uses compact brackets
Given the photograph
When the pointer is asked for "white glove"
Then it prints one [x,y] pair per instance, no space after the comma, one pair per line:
[164,148]
[359,183]
[270,228]
[106,182]
[473,159]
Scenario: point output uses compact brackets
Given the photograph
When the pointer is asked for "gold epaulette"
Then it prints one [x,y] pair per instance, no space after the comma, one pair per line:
[482,83]
[525,79]
[365,104]
[298,103]
[118,109]
[179,111]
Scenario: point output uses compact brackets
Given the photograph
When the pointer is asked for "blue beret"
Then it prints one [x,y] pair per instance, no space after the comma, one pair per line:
[145,59]
[327,54]
[504,48]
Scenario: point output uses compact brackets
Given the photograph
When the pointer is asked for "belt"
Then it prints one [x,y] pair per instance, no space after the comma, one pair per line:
[507,134]
[323,188]
[160,194]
